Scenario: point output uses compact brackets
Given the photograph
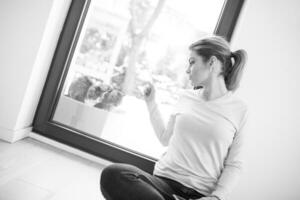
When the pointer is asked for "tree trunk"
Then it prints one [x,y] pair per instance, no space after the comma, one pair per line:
[137,41]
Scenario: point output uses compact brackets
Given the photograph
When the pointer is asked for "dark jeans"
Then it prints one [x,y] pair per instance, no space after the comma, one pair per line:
[127,182]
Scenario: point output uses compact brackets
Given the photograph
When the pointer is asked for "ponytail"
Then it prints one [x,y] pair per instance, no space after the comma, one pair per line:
[233,74]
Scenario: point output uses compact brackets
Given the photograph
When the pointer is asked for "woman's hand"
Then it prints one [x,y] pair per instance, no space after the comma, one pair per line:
[149,92]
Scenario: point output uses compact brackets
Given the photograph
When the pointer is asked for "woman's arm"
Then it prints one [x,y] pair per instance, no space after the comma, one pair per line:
[162,131]
[233,164]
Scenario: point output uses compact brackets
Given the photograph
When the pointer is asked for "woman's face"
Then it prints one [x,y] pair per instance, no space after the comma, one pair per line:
[198,70]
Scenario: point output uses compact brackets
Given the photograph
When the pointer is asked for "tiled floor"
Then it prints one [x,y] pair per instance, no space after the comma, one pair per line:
[32,170]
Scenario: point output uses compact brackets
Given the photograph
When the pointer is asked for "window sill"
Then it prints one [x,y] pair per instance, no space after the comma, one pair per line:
[69,149]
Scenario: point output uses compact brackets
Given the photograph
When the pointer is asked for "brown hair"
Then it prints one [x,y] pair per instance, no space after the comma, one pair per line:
[232,62]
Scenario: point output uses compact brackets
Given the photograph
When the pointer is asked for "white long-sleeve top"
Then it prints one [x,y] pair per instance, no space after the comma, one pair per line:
[205,142]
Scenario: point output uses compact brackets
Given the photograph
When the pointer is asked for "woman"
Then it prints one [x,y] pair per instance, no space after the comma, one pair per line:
[204,135]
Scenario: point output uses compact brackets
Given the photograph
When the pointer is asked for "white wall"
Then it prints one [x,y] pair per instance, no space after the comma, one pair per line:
[269,30]
[28,36]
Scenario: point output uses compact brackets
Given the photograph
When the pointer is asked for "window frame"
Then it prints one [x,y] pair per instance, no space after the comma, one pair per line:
[43,124]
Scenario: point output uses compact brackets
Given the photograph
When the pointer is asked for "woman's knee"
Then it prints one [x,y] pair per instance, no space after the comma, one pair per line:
[112,173]
[122,181]
[111,178]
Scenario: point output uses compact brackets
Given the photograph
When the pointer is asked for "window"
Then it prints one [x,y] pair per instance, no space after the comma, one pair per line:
[107,51]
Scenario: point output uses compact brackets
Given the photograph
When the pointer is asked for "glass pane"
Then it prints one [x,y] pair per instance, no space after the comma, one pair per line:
[123,44]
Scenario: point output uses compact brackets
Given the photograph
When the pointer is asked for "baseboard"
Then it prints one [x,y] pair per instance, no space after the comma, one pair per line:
[69,149]
[12,136]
